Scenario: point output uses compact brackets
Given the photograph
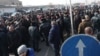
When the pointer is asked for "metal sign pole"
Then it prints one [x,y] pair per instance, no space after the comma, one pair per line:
[72,28]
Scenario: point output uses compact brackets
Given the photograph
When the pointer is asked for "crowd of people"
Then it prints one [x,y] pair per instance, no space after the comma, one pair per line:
[49,26]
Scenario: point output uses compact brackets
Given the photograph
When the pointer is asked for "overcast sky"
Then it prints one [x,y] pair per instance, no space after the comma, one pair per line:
[46,2]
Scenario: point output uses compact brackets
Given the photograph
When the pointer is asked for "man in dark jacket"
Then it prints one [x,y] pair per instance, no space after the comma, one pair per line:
[14,39]
[54,37]
[67,24]
[60,22]
[95,22]
[25,23]
[24,34]
[76,20]
[3,40]
[44,30]
[3,44]
[34,36]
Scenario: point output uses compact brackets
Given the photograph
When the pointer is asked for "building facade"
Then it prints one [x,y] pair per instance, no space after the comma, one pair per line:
[11,2]
[7,9]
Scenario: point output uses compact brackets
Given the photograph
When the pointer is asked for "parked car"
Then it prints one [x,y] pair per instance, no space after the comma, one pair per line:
[16,13]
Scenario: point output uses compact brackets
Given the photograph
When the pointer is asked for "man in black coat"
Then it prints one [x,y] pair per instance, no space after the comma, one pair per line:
[34,36]
[67,24]
[24,34]
[60,22]
[44,30]
[3,40]
[14,39]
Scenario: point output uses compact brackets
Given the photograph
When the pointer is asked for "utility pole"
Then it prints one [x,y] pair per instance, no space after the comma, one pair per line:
[72,28]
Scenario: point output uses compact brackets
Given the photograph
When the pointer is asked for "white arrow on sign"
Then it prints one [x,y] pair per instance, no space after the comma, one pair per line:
[80,46]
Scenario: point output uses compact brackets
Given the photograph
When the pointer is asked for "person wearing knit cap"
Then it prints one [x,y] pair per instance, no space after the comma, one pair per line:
[24,51]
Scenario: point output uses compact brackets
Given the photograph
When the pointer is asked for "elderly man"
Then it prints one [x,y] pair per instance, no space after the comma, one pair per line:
[24,51]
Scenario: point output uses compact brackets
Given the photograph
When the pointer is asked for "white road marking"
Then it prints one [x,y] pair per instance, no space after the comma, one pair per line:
[46,54]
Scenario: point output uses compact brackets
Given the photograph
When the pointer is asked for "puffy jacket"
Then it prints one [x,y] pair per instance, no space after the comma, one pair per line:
[30,52]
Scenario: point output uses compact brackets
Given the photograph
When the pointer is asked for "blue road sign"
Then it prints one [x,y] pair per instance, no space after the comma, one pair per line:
[80,45]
